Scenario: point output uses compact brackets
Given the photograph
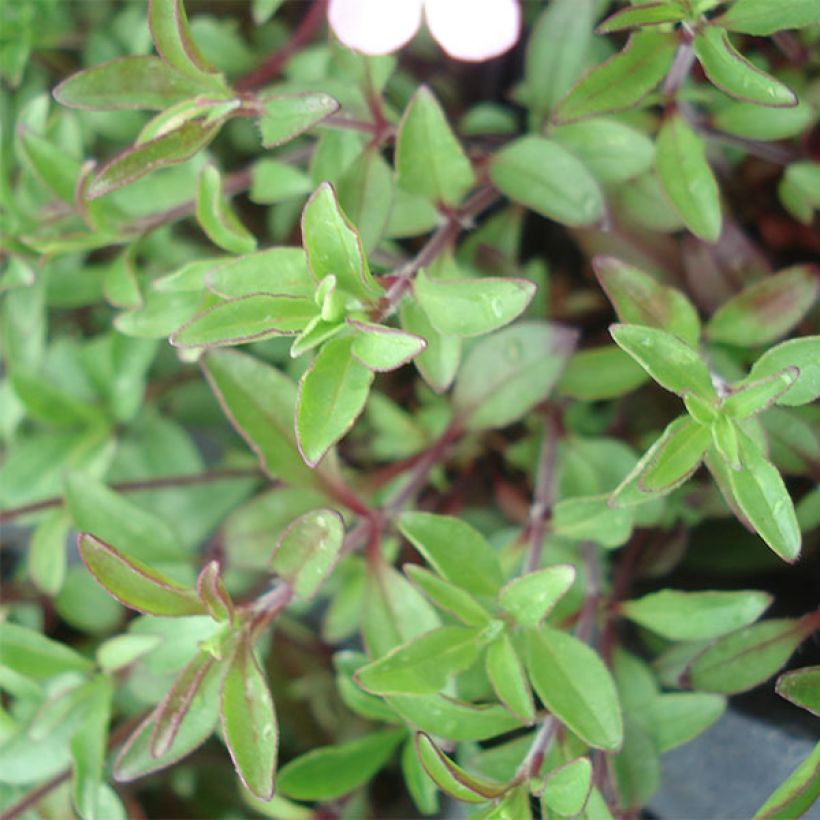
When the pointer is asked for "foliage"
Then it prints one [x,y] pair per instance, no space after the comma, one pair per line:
[317,450]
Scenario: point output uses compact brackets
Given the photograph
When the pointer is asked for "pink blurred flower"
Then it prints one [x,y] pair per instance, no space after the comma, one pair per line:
[469,30]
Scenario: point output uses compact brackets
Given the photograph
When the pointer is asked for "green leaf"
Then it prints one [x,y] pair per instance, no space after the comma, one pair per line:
[641,15]
[604,372]
[122,650]
[47,552]
[249,722]
[669,361]
[636,768]
[802,688]
[762,496]
[88,748]
[135,584]
[623,80]
[798,190]
[798,792]
[508,678]
[549,179]
[510,372]
[439,361]
[591,518]
[212,593]
[756,396]
[556,54]
[246,319]
[330,772]
[172,37]
[761,18]
[575,685]
[422,788]
[531,597]
[448,596]
[639,300]
[676,458]
[172,148]
[802,353]
[138,81]
[286,117]
[452,719]
[333,246]
[216,218]
[567,788]
[49,163]
[746,658]
[696,616]
[280,271]
[455,550]
[731,72]
[273,181]
[429,159]
[308,549]
[451,778]
[366,192]
[33,655]
[612,151]
[332,394]
[472,307]
[766,310]
[260,402]
[676,718]
[382,348]
[750,121]
[725,439]
[687,178]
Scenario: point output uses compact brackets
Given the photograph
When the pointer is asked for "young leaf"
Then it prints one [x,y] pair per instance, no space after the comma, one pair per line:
[134,163]
[424,665]
[567,788]
[508,373]
[623,80]
[798,792]
[725,438]
[677,458]
[472,307]
[333,246]
[743,659]
[639,300]
[451,778]
[508,678]
[687,178]
[530,597]
[212,593]
[696,616]
[448,596]
[762,496]
[802,353]
[731,72]
[245,319]
[591,518]
[429,160]
[249,722]
[598,373]
[756,396]
[669,361]
[260,402]
[766,310]
[802,688]
[762,18]
[331,772]
[455,550]
[549,179]
[286,117]
[135,584]
[575,685]
[382,348]
[138,81]
[332,394]
[641,15]
[308,549]
[216,218]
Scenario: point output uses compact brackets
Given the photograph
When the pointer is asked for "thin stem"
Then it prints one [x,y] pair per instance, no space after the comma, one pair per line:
[776,154]
[531,764]
[269,605]
[681,65]
[138,486]
[544,494]
[34,797]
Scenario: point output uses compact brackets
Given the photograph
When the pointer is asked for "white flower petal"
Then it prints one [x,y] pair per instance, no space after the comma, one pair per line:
[474,30]
[374,26]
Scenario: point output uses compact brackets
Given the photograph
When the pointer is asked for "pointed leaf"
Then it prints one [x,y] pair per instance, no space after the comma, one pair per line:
[567,788]
[366,195]
[32,654]
[472,307]
[452,719]
[641,15]
[597,373]
[88,748]
[216,218]
[121,651]
[286,117]
[249,722]
[591,518]
[448,596]
[331,772]
[508,678]
[623,80]
[679,717]
[676,459]
[762,18]
[549,179]
[802,688]
[429,159]
[332,394]
[798,792]
[687,178]
[439,361]
[135,584]
[308,550]
[530,597]
[766,310]
[279,271]
[212,593]
[382,348]
[801,353]
[756,396]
